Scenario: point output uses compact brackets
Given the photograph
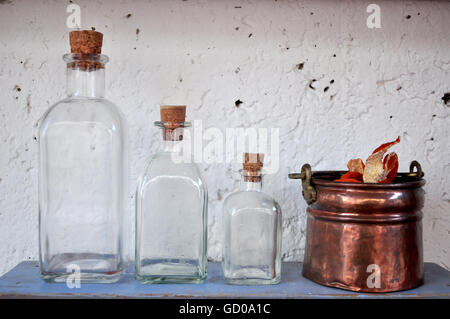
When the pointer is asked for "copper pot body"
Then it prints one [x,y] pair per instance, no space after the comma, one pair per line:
[365,237]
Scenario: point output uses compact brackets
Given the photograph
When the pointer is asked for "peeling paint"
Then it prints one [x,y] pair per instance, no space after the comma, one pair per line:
[446,98]
[28,106]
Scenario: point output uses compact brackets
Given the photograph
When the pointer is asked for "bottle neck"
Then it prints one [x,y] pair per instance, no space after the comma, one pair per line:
[171,137]
[168,146]
[251,185]
[85,83]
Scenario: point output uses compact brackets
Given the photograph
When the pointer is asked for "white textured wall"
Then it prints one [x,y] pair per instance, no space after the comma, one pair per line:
[208,54]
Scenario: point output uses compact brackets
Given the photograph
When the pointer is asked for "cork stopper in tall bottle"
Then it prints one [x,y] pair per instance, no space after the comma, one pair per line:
[173,117]
[84,43]
[253,163]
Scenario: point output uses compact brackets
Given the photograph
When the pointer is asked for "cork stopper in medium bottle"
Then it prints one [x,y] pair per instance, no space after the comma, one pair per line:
[86,42]
[253,163]
[172,116]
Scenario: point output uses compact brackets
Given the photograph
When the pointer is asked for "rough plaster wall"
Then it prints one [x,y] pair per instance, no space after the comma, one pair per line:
[208,54]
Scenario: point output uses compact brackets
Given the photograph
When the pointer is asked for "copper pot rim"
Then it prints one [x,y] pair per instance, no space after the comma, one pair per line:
[326,179]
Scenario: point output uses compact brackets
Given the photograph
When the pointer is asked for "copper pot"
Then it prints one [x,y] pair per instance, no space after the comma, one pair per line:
[364,237]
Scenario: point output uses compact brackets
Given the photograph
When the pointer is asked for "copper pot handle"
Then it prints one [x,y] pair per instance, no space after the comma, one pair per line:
[308,191]
[418,173]
[310,194]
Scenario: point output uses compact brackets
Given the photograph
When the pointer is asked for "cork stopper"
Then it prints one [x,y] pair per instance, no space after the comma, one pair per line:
[86,42]
[253,163]
[172,116]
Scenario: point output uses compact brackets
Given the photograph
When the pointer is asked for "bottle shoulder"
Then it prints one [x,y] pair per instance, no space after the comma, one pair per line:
[171,162]
[82,103]
[163,165]
[251,199]
[86,110]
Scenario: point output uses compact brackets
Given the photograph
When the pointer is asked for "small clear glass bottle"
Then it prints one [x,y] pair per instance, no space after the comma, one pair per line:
[171,211]
[82,149]
[252,220]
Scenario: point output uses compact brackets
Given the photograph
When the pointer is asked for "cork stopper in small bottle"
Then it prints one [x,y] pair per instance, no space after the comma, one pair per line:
[84,43]
[173,117]
[253,163]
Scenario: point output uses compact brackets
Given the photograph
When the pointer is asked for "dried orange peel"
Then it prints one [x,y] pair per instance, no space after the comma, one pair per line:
[377,169]
[353,177]
[356,165]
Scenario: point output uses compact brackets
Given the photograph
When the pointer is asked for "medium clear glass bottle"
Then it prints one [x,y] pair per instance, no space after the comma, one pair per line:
[171,211]
[82,147]
[252,220]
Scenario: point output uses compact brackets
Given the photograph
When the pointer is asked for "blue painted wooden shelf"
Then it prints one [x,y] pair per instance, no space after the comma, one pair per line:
[23,281]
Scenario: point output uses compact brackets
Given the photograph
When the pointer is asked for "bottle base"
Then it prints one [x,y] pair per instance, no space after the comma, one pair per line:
[169,280]
[168,271]
[85,278]
[252,281]
[85,267]
[251,275]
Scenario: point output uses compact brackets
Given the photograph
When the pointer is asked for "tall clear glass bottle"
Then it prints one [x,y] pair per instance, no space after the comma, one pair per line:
[82,149]
[252,221]
[171,211]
